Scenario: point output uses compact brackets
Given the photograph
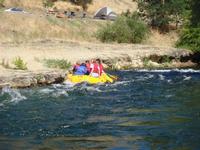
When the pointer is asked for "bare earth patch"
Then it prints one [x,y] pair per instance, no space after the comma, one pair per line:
[33,52]
[119,55]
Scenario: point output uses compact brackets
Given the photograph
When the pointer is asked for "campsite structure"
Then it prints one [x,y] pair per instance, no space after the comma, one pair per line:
[105,13]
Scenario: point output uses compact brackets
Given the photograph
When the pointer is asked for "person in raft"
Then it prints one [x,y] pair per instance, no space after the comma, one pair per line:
[88,64]
[96,68]
[75,67]
[81,70]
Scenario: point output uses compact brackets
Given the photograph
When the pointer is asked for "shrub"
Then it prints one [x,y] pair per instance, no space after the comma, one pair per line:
[123,30]
[20,64]
[48,3]
[57,63]
[1,2]
[82,3]
[190,38]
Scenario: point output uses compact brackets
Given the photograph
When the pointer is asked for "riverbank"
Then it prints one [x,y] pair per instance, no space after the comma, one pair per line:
[114,56]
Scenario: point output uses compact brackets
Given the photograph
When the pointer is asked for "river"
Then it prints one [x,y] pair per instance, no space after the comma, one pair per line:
[144,110]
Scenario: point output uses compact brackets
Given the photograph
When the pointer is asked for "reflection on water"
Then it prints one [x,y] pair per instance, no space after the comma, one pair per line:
[144,110]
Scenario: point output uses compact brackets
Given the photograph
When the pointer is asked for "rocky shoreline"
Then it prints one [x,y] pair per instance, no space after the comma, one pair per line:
[114,57]
[29,79]
[179,60]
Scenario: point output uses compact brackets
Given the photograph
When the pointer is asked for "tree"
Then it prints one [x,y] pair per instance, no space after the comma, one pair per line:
[190,35]
[1,3]
[83,3]
[161,12]
[195,18]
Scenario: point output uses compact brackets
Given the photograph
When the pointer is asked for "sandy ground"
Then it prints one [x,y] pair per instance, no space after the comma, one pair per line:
[72,51]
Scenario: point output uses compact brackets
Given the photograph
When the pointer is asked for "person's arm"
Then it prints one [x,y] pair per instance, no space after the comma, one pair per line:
[92,69]
[74,68]
[102,69]
[85,71]
[99,71]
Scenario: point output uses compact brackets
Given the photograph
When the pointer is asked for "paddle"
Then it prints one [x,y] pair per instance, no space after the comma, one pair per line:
[112,76]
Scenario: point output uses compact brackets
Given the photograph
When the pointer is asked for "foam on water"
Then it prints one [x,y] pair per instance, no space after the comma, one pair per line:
[186,78]
[170,70]
[144,110]
[59,93]
[46,91]
[161,77]
[85,87]
[14,95]
[120,83]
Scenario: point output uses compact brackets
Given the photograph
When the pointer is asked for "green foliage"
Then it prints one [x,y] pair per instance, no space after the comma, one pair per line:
[195,18]
[146,62]
[1,2]
[161,12]
[82,3]
[190,38]
[57,63]
[20,64]
[48,3]
[123,30]
[190,35]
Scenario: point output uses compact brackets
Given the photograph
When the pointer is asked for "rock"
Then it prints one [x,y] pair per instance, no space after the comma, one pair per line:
[21,80]
[153,64]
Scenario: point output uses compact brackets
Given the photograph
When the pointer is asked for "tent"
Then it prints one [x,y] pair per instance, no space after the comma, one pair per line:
[15,10]
[105,13]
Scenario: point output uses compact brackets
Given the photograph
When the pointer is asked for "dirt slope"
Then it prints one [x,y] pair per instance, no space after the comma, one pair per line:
[36,25]
[117,5]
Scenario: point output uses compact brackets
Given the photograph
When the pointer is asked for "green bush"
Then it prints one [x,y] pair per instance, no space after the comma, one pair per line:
[123,30]
[20,64]
[48,3]
[1,2]
[57,63]
[190,38]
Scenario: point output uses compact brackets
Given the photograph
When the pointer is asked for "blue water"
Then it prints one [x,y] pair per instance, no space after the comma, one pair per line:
[144,110]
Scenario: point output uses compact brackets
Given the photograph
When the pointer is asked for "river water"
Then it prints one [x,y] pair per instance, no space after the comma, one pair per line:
[144,110]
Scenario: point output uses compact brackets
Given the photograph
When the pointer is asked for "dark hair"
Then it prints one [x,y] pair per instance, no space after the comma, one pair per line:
[83,64]
[98,60]
[87,61]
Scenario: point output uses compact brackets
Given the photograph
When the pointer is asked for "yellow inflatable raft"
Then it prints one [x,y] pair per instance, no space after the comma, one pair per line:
[104,78]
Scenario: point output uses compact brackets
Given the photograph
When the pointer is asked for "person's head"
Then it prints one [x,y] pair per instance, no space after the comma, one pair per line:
[98,61]
[93,61]
[78,63]
[87,61]
[83,64]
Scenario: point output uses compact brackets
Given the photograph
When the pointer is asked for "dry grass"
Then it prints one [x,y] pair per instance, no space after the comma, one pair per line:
[166,40]
[116,5]
[30,27]
[24,3]
[67,6]
[36,26]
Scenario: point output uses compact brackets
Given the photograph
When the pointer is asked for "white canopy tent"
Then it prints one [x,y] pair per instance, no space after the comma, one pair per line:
[105,13]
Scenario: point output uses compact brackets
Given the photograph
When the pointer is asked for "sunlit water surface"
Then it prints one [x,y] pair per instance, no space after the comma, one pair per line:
[144,110]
